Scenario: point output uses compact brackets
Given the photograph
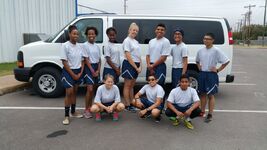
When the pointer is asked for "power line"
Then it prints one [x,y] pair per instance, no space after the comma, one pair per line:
[249,18]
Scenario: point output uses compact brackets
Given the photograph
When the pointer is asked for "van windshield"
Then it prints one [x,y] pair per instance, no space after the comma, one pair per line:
[51,38]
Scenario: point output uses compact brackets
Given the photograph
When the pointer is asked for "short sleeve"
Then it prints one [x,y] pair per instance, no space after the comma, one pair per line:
[117,94]
[107,51]
[171,96]
[197,57]
[63,52]
[166,49]
[160,92]
[126,45]
[222,58]
[184,51]
[98,95]
[143,89]
[84,52]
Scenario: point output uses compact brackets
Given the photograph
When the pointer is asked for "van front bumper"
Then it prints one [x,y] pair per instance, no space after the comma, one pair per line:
[230,78]
[22,74]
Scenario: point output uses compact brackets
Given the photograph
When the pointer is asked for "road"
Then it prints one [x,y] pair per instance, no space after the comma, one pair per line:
[30,122]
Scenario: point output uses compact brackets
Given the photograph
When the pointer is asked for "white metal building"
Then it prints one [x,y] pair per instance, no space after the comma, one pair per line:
[30,16]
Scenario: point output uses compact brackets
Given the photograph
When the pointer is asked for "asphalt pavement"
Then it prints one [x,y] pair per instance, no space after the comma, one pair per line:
[28,121]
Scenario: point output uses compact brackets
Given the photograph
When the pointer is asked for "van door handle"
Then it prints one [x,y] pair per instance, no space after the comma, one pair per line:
[103,50]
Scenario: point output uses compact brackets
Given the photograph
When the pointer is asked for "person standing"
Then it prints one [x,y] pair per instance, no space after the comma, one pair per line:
[131,65]
[207,59]
[179,53]
[92,68]
[72,57]
[112,55]
[158,51]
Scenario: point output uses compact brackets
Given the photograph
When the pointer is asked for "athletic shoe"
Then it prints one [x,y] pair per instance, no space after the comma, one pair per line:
[208,118]
[98,117]
[175,121]
[87,114]
[188,124]
[202,114]
[115,116]
[158,119]
[76,115]
[66,121]
[131,109]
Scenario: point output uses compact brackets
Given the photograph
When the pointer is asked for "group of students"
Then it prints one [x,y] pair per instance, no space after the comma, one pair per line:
[82,63]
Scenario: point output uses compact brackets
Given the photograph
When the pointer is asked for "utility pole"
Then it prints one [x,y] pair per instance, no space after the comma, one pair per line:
[249,18]
[125,6]
[244,28]
[264,20]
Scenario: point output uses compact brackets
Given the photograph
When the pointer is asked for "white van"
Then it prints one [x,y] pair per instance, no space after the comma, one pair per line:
[41,60]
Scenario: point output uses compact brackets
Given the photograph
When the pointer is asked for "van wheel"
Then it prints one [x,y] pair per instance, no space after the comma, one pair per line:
[46,82]
[193,76]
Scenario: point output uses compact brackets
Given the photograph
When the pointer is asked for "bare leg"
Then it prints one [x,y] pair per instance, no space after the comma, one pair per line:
[211,103]
[126,91]
[89,96]
[203,102]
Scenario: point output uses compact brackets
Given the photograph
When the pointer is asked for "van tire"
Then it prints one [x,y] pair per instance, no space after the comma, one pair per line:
[47,82]
[193,76]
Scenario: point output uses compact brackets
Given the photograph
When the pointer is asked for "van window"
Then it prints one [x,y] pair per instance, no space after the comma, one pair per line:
[82,25]
[194,29]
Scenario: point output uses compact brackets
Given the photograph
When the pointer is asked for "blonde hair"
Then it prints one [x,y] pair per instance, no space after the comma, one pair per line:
[133,25]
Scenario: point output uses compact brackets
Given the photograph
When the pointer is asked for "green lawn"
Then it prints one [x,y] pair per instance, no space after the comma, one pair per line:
[7,68]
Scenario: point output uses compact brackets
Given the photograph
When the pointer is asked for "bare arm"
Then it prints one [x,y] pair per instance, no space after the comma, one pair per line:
[222,66]
[185,63]
[161,60]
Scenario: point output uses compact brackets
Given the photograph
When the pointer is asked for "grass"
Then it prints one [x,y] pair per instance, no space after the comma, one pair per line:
[7,68]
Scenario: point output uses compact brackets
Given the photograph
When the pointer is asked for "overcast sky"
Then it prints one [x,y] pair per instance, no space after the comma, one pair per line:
[230,9]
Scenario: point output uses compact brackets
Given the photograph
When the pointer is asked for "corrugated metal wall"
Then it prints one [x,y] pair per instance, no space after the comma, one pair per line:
[30,16]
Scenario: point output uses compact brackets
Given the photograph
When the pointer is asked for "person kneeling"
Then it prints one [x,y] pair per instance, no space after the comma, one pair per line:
[153,103]
[183,104]
[107,99]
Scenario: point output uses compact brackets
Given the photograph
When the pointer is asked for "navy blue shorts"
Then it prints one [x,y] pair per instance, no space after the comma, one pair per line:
[176,75]
[88,77]
[108,104]
[160,73]
[68,81]
[208,83]
[128,71]
[147,103]
[111,72]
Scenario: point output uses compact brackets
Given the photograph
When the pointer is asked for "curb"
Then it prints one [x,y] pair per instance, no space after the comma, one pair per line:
[14,88]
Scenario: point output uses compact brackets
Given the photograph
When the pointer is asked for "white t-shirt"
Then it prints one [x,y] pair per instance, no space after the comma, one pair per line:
[112,51]
[132,46]
[209,58]
[104,95]
[183,98]
[178,52]
[157,48]
[93,52]
[73,53]
[152,93]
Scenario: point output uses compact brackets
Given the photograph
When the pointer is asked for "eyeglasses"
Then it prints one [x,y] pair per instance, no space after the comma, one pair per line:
[151,80]
[207,39]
